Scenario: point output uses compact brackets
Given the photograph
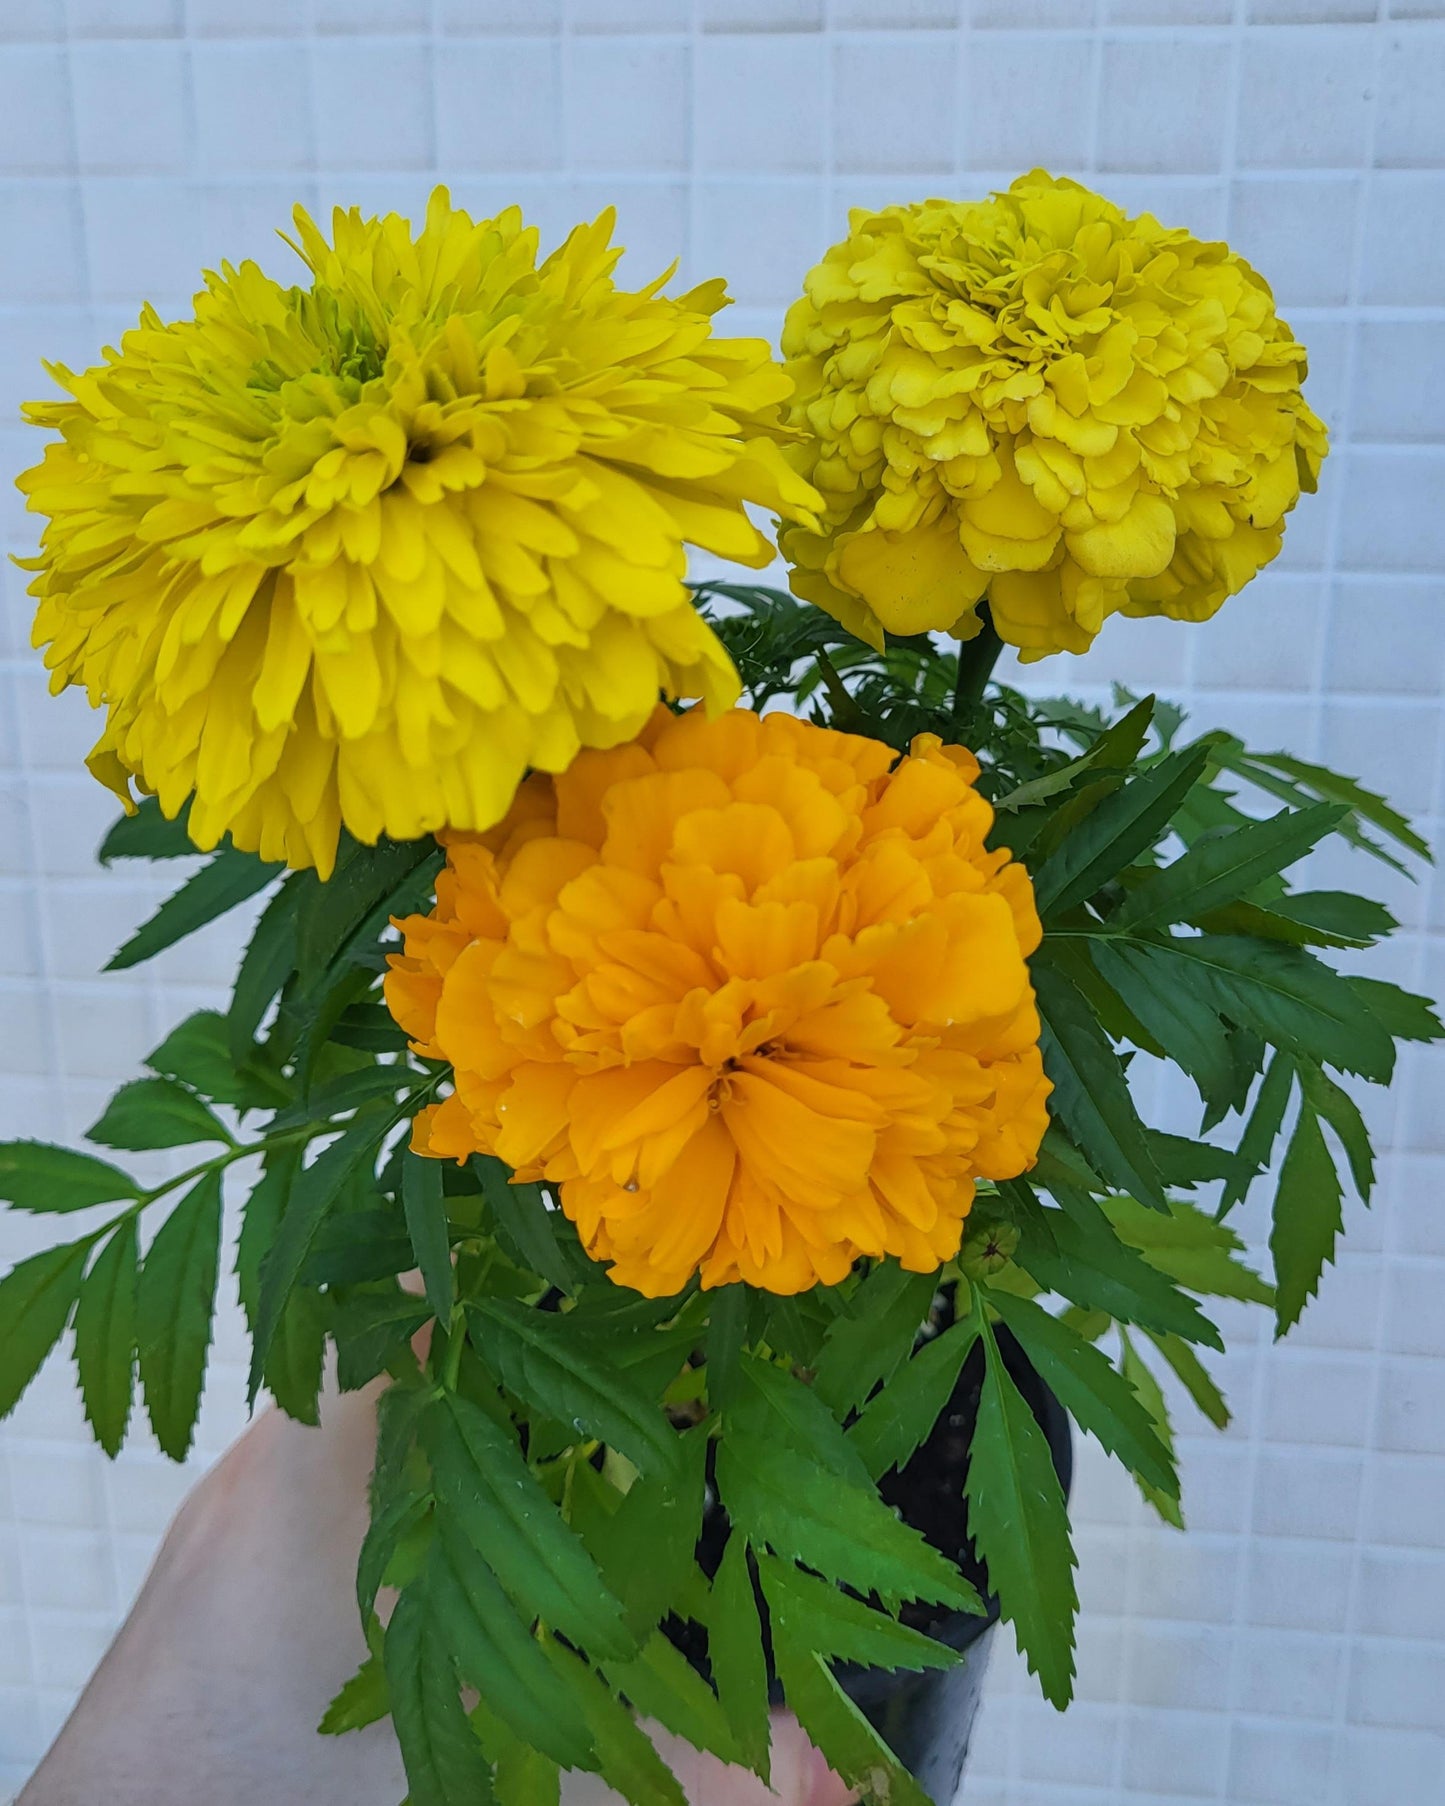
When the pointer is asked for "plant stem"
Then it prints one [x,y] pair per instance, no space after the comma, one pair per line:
[976,660]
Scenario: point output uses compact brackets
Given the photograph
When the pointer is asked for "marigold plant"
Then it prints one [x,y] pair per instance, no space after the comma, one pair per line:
[750,993]
[365,551]
[1043,400]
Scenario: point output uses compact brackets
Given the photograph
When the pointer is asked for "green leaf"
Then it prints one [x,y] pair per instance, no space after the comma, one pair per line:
[360,1702]
[1402,1014]
[1091,1093]
[1336,1107]
[893,1424]
[844,1628]
[1187,1163]
[1217,870]
[1151,1396]
[1183,1021]
[394,1522]
[794,1414]
[298,1351]
[727,1331]
[626,1759]
[314,1190]
[444,1761]
[1307,1219]
[175,1302]
[198,1052]
[1288,996]
[1020,1525]
[35,1303]
[498,1655]
[1195,1250]
[269,960]
[156,1113]
[426,1223]
[1124,825]
[105,1337]
[260,1220]
[540,1357]
[1091,1389]
[1362,802]
[736,1657]
[1091,1267]
[662,1685]
[224,882]
[1256,1145]
[782,1499]
[483,1481]
[645,1546]
[836,1727]
[1336,916]
[36,1176]
[1194,1377]
[147,834]
[863,1349]
[331,913]
[538,1237]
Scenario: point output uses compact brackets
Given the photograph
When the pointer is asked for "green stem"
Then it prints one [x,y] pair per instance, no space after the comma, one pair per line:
[976,660]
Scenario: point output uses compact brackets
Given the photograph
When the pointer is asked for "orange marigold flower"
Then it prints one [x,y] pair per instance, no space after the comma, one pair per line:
[750,992]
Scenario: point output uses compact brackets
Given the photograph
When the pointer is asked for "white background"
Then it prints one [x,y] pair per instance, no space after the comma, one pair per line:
[1291,1648]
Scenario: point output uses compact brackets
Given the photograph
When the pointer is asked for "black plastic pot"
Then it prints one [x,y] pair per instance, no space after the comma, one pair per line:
[928,1719]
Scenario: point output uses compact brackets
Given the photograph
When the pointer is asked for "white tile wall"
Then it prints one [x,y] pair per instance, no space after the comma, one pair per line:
[1291,1648]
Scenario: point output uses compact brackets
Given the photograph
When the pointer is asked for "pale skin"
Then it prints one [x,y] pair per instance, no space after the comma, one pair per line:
[245,1629]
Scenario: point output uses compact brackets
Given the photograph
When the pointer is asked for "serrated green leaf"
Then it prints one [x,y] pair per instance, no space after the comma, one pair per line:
[539,1238]
[797,1416]
[626,1759]
[394,1521]
[736,1657]
[373,1331]
[1256,1144]
[782,1499]
[1306,1221]
[1402,1014]
[863,1349]
[1365,803]
[847,1629]
[1019,1523]
[488,1488]
[1091,1389]
[175,1304]
[1195,1250]
[331,913]
[1183,1021]
[105,1338]
[1222,868]
[1336,916]
[156,1113]
[1194,1377]
[298,1350]
[360,1702]
[853,1749]
[901,1417]
[313,1192]
[36,1176]
[540,1356]
[1187,1163]
[426,1223]
[1288,996]
[227,880]
[497,1653]
[1091,1093]
[349,1091]
[443,1759]
[1091,1267]
[1124,825]
[35,1304]
[198,1052]
[269,960]
[662,1685]
[522,1776]
[726,1333]
[1334,1105]
[645,1546]
[1118,747]
[1151,1396]
[147,834]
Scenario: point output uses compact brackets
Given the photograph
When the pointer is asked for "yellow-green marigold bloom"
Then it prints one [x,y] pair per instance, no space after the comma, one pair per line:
[1038,398]
[365,551]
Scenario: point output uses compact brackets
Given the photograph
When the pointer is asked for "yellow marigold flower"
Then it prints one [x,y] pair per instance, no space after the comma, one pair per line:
[365,551]
[748,992]
[1038,397]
